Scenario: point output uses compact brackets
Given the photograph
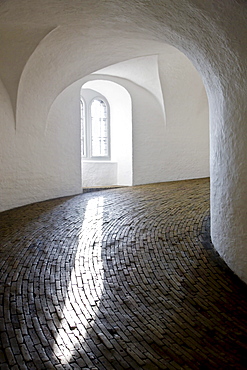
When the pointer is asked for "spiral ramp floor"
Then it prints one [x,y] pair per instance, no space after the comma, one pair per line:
[119,279]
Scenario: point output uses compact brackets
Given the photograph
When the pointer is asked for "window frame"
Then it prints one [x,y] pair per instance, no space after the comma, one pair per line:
[83,120]
[108,156]
[88,129]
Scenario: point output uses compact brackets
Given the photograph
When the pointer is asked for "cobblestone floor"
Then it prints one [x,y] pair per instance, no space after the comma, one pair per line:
[119,279]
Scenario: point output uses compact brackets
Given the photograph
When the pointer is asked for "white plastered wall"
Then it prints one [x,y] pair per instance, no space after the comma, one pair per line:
[169,138]
[36,164]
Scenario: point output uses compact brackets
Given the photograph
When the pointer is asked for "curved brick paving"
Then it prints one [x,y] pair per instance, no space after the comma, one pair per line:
[119,279]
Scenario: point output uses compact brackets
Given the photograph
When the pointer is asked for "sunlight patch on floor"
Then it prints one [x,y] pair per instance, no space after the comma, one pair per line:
[86,286]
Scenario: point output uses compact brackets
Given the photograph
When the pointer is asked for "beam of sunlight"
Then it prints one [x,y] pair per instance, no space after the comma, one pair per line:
[85,288]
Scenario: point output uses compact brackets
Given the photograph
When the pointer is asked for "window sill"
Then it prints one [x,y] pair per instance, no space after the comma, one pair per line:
[97,161]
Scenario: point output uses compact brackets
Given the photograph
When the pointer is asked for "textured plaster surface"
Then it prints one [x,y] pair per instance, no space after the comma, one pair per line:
[18,43]
[143,71]
[99,173]
[48,46]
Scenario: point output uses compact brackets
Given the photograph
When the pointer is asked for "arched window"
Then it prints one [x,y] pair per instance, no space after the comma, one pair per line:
[95,129]
[99,129]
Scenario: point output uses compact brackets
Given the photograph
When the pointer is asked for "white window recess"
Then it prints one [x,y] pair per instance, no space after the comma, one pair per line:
[106,134]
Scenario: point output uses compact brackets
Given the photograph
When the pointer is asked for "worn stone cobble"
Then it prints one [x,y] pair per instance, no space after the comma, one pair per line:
[124,278]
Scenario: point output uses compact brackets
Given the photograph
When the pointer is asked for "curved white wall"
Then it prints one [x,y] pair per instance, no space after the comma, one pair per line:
[229,170]
[58,43]
[45,162]
[175,132]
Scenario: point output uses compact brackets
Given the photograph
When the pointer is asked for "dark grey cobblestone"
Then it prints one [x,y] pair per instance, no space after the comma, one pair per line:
[119,279]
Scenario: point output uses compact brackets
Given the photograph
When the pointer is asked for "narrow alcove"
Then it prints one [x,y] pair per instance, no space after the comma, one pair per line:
[114,165]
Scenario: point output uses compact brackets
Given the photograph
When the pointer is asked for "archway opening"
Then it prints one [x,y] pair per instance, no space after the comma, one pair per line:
[113,164]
